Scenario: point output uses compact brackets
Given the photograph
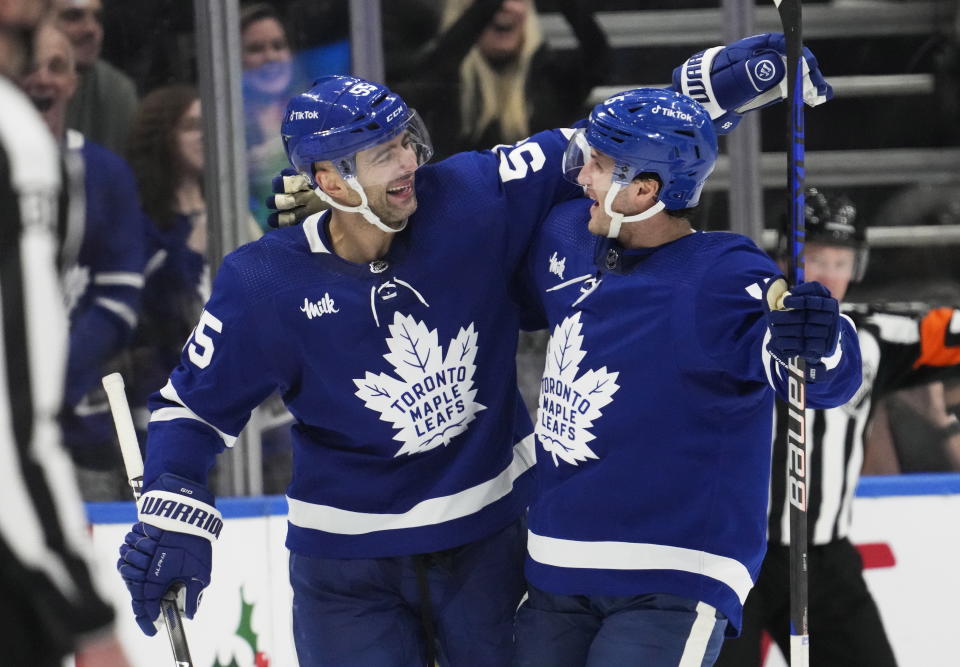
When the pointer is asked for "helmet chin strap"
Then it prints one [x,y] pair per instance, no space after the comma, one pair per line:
[363,209]
[617,219]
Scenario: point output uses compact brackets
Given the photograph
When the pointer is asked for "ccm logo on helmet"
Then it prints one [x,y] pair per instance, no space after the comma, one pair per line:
[394,114]
[304,115]
[670,113]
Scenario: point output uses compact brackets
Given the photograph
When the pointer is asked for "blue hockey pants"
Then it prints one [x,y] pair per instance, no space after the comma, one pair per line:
[366,612]
[601,631]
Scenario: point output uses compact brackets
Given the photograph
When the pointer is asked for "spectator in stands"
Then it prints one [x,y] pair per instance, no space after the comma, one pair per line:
[103,267]
[166,153]
[49,603]
[504,81]
[106,98]
[268,77]
[488,79]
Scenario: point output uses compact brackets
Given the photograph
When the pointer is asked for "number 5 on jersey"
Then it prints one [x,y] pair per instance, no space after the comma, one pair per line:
[513,165]
[200,346]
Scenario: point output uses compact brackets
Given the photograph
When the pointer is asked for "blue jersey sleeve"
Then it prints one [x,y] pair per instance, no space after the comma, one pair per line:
[222,376]
[115,238]
[528,178]
[732,329]
[174,271]
[731,325]
[114,254]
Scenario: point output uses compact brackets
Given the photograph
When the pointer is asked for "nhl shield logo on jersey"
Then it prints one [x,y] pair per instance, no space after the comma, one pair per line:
[569,404]
[430,399]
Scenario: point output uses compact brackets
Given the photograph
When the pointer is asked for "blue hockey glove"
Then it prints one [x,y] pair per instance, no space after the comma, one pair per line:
[746,75]
[293,200]
[804,322]
[170,547]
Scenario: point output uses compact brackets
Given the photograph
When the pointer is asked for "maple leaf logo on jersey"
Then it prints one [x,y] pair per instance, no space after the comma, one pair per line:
[431,401]
[569,404]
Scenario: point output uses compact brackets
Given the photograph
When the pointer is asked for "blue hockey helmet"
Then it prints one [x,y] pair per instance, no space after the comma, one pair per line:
[342,115]
[651,130]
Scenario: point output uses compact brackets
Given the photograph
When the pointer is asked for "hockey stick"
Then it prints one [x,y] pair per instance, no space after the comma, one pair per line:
[130,448]
[790,17]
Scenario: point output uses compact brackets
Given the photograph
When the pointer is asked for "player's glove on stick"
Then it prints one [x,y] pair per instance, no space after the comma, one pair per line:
[170,547]
[804,322]
[746,75]
[293,200]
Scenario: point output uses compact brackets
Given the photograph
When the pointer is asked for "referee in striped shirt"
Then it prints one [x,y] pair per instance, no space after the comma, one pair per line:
[48,603]
[898,350]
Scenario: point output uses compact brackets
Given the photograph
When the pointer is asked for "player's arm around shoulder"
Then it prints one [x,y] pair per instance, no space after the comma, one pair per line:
[512,187]
[530,172]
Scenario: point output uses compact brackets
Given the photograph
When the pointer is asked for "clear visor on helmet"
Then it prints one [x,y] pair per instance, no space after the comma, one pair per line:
[578,153]
[403,151]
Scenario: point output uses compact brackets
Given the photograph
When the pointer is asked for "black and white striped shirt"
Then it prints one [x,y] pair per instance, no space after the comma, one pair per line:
[899,349]
[43,540]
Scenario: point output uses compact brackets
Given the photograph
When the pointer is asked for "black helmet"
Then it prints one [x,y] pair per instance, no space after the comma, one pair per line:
[831,220]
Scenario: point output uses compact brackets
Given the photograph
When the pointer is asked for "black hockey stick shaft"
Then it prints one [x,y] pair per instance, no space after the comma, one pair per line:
[797,480]
[133,462]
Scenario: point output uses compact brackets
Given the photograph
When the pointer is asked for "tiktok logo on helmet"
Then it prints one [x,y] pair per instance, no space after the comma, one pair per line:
[671,113]
[304,115]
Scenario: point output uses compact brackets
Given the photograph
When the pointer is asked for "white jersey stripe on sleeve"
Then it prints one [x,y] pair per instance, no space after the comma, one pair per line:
[154,263]
[119,278]
[768,360]
[120,309]
[833,360]
[183,412]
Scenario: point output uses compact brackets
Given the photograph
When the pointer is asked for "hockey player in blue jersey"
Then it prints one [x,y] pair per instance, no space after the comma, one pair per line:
[901,347]
[654,418]
[103,259]
[388,326]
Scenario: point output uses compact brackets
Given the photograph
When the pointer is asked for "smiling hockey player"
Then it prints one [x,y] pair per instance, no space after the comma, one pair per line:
[386,324]
[653,429]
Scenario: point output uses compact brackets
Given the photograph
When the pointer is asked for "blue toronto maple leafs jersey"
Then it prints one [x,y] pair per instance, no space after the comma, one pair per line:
[410,434]
[104,278]
[654,418]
